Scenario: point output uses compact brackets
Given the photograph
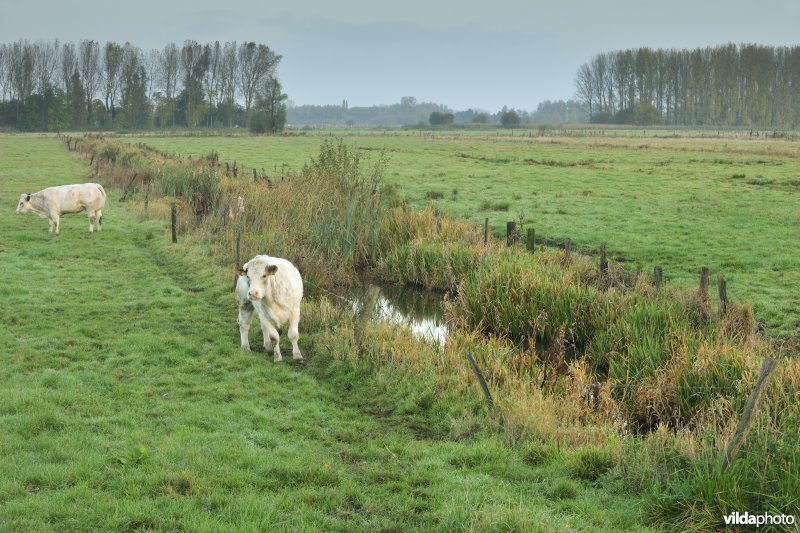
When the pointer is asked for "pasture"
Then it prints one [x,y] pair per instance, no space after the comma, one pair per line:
[653,199]
[125,402]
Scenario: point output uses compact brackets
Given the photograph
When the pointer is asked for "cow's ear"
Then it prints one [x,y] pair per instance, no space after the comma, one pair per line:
[241,271]
[271,269]
[27,197]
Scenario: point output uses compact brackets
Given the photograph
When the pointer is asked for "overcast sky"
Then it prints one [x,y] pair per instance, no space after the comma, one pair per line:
[462,54]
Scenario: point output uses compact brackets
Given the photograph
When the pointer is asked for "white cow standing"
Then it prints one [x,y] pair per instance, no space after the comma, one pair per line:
[273,288]
[53,202]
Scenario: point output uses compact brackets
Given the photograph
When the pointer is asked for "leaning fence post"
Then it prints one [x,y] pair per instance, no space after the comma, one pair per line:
[531,240]
[479,375]
[174,211]
[722,289]
[128,188]
[486,231]
[658,274]
[749,413]
[567,248]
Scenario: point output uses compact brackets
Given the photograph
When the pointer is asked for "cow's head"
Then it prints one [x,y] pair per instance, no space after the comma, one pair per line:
[24,204]
[258,272]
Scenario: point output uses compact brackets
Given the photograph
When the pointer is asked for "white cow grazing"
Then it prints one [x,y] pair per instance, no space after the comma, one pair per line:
[273,288]
[53,202]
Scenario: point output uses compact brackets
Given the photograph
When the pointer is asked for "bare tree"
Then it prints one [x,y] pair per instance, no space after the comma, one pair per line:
[213,77]
[69,64]
[47,59]
[169,76]
[22,62]
[4,59]
[228,70]
[89,53]
[256,63]
[584,87]
[112,63]
[152,67]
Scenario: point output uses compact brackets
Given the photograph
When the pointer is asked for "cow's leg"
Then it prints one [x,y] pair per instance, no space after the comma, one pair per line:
[50,225]
[294,334]
[92,216]
[56,222]
[245,319]
[99,215]
[271,337]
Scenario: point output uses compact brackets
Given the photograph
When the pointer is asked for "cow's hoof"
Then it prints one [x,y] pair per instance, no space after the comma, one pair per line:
[246,347]
[277,359]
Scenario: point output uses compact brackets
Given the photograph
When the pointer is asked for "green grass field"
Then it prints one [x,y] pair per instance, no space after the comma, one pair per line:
[125,403]
[681,203]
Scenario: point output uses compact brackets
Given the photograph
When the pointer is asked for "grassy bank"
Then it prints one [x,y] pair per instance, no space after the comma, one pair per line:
[578,358]
[125,403]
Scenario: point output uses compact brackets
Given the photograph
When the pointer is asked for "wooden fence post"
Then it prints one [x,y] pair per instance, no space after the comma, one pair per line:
[722,289]
[603,260]
[704,283]
[174,212]
[531,240]
[128,187]
[596,396]
[511,233]
[255,177]
[486,231]
[749,413]
[567,248]
[658,274]
[147,195]
[479,375]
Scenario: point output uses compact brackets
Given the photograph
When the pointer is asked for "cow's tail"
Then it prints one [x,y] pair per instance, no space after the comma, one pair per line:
[103,192]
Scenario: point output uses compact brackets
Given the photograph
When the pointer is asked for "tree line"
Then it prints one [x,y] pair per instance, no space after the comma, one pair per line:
[410,112]
[52,86]
[747,85]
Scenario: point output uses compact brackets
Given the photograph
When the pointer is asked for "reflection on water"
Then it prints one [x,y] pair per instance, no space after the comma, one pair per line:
[418,310]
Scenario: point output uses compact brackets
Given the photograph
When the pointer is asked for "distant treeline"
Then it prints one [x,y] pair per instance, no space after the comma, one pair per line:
[50,86]
[410,112]
[748,85]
